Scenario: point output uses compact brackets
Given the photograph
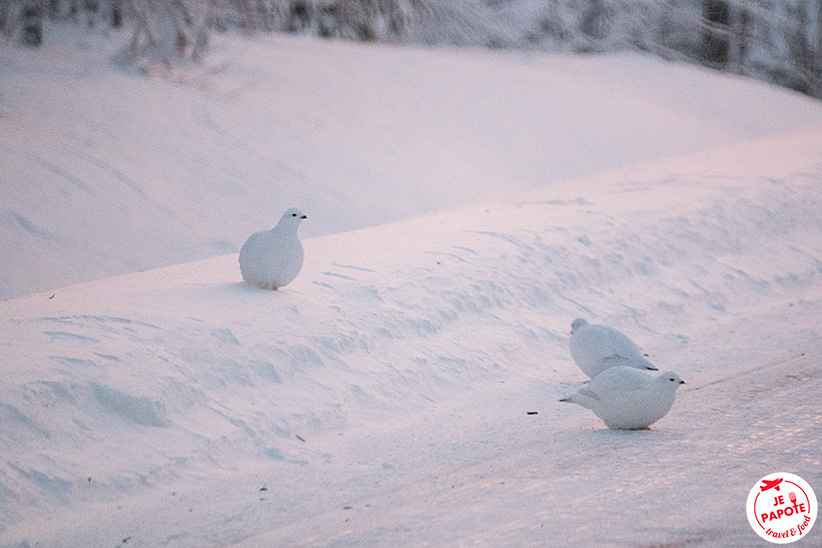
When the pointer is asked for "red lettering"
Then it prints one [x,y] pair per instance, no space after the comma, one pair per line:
[804,524]
[774,534]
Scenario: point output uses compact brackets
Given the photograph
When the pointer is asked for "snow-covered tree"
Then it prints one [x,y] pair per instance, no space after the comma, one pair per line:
[777,41]
[164,30]
[32,16]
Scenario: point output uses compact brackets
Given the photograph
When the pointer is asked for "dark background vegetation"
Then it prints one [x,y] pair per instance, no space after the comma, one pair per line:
[776,41]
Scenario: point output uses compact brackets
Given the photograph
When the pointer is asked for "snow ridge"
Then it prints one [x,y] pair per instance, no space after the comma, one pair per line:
[183,380]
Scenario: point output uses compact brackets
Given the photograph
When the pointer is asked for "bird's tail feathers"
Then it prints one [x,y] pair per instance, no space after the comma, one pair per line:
[649,366]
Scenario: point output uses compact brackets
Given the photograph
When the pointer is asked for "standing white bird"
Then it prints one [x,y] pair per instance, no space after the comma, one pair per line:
[271,259]
[626,398]
[595,348]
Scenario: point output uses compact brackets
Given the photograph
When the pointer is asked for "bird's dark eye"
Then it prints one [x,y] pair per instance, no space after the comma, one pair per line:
[293,214]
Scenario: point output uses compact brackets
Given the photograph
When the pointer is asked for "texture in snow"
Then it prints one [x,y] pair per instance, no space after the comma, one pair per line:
[382,398]
[106,172]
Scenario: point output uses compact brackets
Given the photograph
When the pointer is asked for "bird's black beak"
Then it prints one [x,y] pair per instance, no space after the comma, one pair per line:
[681,382]
[303,217]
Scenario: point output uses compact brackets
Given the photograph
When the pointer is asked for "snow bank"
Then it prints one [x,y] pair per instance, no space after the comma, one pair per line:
[106,172]
[382,396]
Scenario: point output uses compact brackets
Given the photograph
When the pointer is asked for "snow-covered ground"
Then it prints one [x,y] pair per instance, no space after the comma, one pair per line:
[382,398]
[106,172]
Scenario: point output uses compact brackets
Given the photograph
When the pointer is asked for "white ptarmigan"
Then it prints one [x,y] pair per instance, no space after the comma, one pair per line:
[271,259]
[626,398]
[595,348]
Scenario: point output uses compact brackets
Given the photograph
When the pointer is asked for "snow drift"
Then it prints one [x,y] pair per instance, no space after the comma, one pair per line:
[382,397]
[105,172]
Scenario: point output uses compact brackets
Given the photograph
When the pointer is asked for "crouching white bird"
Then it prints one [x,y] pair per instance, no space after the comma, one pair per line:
[271,259]
[595,348]
[626,398]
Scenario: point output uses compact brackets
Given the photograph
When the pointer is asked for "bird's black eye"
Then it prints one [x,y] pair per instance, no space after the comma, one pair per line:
[293,214]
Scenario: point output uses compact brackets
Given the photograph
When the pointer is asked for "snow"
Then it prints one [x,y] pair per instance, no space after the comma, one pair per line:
[383,397]
[110,172]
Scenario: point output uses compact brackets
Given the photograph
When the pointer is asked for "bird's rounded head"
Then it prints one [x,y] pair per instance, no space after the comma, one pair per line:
[671,379]
[578,324]
[292,217]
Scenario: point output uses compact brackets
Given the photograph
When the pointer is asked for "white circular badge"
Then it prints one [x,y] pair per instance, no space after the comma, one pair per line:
[782,508]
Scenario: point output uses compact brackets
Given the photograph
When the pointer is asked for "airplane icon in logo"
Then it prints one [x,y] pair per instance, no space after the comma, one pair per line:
[769,484]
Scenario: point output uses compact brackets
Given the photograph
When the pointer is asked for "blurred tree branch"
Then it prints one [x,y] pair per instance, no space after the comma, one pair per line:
[780,42]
